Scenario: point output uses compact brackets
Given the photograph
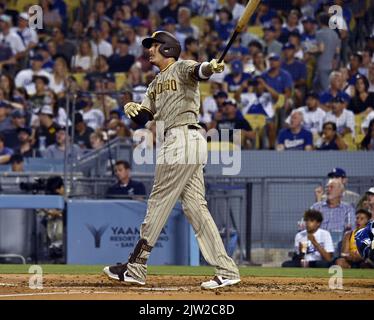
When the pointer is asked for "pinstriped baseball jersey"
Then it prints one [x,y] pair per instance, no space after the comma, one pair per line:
[174,95]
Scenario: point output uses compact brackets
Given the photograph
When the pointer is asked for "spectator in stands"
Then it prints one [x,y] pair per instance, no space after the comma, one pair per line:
[82,136]
[97,139]
[295,137]
[362,101]
[191,51]
[170,10]
[367,142]
[7,85]
[331,139]
[338,216]
[125,186]
[59,76]
[236,77]
[100,46]
[259,101]
[223,23]
[291,25]
[57,150]
[84,61]
[230,119]
[334,91]
[344,119]
[370,201]
[264,14]
[59,113]
[18,119]
[25,146]
[45,135]
[28,35]
[37,100]
[297,69]
[24,78]
[51,17]
[94,118]
[64,47]
[42,50]
[122,60]
[349,256]
[135,47]
[258,66]
[328,48]
[277,78]
[235,8]
[355,62]
[313,115]
[214,102]
[308,37]
[5,120]
[12,47]
[17,163]
[348,196]
[272,44]
[5,153]
[313,246]
[99,72]
[184,23]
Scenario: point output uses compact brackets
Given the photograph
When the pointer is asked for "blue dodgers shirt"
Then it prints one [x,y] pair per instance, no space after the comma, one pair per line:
[279,83]
[296,69]
[292,141]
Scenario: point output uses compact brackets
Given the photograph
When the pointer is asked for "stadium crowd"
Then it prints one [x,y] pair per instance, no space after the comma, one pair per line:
[291,81]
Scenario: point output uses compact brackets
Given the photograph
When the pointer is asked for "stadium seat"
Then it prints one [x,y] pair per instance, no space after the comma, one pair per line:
[257,122]
[198,21]
[121,79]
[79,76]
[256,30]
[348,139]
[222,146]
[20,5]
[281,101]
[359,118]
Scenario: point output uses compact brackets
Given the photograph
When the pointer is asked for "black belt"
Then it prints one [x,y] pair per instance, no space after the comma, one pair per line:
[190,126]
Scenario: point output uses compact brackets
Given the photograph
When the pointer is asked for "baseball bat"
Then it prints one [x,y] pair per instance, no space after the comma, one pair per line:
[242,23]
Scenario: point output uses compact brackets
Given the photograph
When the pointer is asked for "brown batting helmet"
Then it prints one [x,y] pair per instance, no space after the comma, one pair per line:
[170,46]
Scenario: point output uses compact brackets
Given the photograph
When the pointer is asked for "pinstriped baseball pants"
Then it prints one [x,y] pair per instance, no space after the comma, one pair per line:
[179,175]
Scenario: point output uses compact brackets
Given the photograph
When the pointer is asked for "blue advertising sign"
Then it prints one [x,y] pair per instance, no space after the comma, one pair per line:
[106,231]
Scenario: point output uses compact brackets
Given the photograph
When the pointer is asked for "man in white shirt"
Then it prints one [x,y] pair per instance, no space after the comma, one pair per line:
[28,35]
[313,115]
[236,9]
[24,77]
[313,246]
[99,45]
[93,117]
[344,119]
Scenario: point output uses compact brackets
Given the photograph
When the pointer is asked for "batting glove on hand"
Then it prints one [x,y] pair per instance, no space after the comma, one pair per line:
[216,67]
[132,109]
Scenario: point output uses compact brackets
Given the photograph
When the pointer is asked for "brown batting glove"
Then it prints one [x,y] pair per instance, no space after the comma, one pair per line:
[132,109]
[216,67]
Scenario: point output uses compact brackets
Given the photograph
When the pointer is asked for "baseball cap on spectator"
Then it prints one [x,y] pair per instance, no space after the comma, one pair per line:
[124,40]
[24,16]
[288,46]
[24,129]
[312,94]
[169,20]
[6,18]
[339,99]
[225,9]
[3,104]
[37,57]
[46,109]
[230,102]
[273,56]
[269,28]
[294,33]
[40,77]
[236,66]
[221,94]
[308,19]
[337,173]
[370,191]
[17,113]
[255,43]
[78,118]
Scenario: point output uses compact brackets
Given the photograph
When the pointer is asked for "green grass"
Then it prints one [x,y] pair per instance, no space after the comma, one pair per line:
[187,270]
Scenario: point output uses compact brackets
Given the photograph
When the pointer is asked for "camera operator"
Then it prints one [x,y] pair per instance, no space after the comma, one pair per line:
[52,220]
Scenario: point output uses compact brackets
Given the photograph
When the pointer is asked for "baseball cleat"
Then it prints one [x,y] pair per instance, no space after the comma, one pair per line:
[120,273]
[219,282]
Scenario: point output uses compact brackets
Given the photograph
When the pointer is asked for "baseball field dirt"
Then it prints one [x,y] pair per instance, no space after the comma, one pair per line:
[88,283]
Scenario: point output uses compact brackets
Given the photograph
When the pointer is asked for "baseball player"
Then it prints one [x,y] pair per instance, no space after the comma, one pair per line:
[173,100]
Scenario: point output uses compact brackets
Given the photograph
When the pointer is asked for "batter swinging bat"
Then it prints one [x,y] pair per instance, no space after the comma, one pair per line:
[242,23]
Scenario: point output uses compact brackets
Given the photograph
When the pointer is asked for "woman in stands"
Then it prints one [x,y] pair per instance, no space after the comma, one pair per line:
[362,101]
